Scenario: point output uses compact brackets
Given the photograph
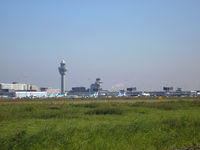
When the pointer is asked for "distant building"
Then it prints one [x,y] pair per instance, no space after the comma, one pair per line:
[79,92]
[96,87]
[131,89]
[79,89]
[9,88]
[17,86]
[168,89]
[179,90]
[50,91]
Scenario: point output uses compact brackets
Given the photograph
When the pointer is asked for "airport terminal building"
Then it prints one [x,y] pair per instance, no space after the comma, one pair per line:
[22,90]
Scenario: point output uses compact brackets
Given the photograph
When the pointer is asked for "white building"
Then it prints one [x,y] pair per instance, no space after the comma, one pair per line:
[50,91]
[17,86]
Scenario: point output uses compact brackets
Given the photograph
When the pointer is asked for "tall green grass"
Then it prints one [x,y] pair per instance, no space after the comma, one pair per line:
[99,125]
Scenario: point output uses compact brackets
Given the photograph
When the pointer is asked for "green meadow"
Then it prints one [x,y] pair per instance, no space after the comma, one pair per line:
[100,124]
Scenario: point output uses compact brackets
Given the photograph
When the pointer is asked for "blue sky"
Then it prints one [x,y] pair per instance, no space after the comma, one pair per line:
[144,43]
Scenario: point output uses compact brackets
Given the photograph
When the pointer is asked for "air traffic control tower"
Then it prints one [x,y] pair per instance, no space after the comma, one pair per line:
[62,69]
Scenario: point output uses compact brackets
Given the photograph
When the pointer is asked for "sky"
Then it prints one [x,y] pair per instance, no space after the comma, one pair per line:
[146,44]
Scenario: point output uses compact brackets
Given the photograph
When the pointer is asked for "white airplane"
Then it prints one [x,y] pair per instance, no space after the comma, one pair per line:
[145,94]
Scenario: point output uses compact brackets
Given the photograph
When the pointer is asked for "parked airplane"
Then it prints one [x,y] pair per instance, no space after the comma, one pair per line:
[121,94]
[95,95]
[145,94]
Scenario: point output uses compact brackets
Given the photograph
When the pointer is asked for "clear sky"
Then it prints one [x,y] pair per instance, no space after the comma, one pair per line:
[143,43]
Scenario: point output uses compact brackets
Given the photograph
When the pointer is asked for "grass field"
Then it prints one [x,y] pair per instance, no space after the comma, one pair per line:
[118,124]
